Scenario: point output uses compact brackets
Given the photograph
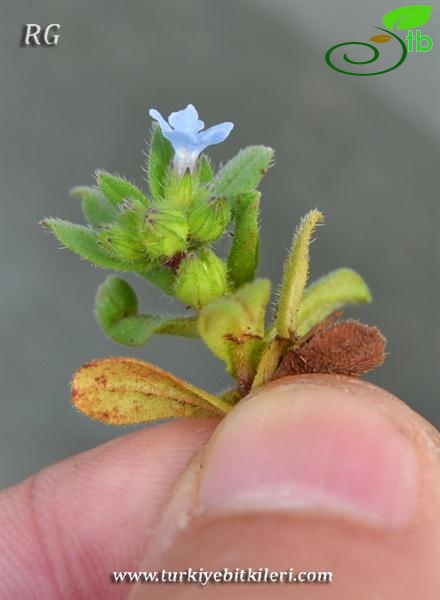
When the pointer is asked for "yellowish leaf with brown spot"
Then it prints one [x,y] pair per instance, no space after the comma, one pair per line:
[382,38]
[233,328]
[126,391]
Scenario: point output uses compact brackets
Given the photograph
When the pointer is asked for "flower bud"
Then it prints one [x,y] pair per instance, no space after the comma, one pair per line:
[164,233]
[208,220]
[201,278]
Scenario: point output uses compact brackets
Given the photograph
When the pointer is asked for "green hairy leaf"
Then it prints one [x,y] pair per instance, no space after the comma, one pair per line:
[84,242]
[408,17]
[116,189]
[161,277]
[327,294]
[296,272]
[117,313]
[244,172]
[96,209]
[159,158]
[244,255]
[126,391]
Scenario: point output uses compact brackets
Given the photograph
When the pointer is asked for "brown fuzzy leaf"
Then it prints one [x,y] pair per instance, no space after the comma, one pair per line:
[346,348]
[125,391]
[382,38]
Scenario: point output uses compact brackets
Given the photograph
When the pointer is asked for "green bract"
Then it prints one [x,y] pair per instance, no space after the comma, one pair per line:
[165,235]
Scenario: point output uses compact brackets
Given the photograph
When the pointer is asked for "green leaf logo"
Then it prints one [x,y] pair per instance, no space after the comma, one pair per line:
[408,17]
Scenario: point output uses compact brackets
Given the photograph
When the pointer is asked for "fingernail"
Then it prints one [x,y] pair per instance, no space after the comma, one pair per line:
[311,447]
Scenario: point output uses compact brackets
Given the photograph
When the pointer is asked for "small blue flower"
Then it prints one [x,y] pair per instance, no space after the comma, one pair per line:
[185,132]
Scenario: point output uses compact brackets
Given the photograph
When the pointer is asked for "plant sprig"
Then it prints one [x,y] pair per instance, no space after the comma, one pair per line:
[167,235]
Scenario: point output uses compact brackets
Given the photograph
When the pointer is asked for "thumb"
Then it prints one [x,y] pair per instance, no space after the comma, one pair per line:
[311,474]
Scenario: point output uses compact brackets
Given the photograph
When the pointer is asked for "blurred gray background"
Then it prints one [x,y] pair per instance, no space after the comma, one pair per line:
[363,149]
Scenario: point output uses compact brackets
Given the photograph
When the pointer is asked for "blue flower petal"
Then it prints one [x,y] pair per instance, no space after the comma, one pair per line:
[155,114]
[216,134]
[184,131]
[179,139]
[186,120]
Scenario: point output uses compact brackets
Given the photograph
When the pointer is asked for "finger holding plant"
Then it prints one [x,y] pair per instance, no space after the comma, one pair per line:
[167,237]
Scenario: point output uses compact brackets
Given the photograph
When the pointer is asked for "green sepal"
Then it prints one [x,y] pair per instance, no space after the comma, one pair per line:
[201,278]
[233,328]
[296,272]
[179,190]
[116,189]
[244,171]
[205,172]
[208,220]
[244,254]
[116,308]
[123,238]
[96,209]
[159,159]
[327,294]
[84,242]
[164,232]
